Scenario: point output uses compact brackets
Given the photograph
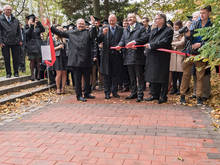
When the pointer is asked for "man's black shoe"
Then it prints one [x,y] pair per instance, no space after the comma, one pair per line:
[8,76]
[131,97]
[81,99]
[16,75]
[139,99]
[89,96]
[182,99]
[162,100]
[116,95]
[151,98]
[107,97]
[199,101]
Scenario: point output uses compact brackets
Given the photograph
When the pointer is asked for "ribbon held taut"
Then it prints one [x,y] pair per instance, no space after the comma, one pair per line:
[160,49]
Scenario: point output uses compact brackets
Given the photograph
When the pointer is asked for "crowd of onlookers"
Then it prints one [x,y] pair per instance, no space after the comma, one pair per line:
[112,56]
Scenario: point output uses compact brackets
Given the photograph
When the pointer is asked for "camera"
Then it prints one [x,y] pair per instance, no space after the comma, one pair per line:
[183,30]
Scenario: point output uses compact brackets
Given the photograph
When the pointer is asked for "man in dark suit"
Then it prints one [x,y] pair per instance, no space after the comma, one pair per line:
[10,39]
[134,58]
[157,71]
[81,46]
[111,60]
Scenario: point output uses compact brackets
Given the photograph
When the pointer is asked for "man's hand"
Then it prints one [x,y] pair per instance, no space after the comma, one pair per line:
[94,59]
[147,46]
[92,20]
[20,43]
[130,44]
[118,48]
[196,45]
[105,30]
[2,45]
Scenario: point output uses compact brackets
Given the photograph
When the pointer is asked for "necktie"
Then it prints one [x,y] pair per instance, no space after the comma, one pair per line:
[113,30]
[9,19]
[131,27]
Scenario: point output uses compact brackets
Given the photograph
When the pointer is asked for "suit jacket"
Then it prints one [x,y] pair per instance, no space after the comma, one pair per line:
[111,61]
[10,33]
[137,56]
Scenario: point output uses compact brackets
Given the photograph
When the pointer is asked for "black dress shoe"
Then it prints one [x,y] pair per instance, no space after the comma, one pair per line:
[89,96]
[116,95]
[131,97]
[162,100]
[81,99]
[182,99]
[151,98]
[107,97]
[139,99]
[16,75]
[8,76]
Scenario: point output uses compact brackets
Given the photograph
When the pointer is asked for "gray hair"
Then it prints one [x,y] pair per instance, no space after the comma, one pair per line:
[6,6]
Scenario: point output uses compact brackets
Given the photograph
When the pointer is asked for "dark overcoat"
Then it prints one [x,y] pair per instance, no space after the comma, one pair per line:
[158,63]
[131,56]
[111,61]
[33,38]
[81,46]
[10,33]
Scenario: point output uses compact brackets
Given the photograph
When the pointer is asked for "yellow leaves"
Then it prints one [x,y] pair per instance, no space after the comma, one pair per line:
[205,60]
[180,158]
[216,125]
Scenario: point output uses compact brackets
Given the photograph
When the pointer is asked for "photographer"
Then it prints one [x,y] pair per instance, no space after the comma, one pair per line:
[33,31]
[192,45]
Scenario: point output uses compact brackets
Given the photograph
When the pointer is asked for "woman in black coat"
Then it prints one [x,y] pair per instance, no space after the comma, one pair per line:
[34,42]
[157,70]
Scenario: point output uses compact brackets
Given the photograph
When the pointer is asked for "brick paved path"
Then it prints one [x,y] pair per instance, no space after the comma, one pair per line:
[114,132]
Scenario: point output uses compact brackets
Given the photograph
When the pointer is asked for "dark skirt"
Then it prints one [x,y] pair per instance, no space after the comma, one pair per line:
[34,56]
[61,62]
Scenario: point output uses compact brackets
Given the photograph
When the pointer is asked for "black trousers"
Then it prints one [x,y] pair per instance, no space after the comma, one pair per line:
[159,90]
[177,76]
[110,84]
[78,73]
[136,74]
[15,56]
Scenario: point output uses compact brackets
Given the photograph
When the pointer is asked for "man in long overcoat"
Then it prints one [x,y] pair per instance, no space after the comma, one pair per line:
[157,71]
[81,44]
[111,60]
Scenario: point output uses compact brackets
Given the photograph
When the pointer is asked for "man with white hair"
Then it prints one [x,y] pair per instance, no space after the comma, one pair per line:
[134,58]
[111,60]
[81,50]
[10,39]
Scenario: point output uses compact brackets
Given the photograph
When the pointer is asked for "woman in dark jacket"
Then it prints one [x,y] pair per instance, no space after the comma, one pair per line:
[33,31]
[60,64]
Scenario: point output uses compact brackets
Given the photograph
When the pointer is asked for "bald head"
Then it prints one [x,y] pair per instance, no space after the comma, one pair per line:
[80,24]
[112,19]
[7,10]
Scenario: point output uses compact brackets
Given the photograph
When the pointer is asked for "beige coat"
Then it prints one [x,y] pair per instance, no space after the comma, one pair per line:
[177,60]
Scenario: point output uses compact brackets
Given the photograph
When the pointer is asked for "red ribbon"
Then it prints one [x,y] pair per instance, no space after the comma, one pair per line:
[161,49]
[52,50]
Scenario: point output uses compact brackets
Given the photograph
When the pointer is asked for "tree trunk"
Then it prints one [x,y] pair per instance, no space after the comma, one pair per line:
[106,8]
[96,8]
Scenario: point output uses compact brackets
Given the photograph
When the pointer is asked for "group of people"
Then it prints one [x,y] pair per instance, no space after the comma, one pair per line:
[116,56]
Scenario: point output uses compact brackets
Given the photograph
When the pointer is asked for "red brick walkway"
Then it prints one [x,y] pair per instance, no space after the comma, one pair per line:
[115,132]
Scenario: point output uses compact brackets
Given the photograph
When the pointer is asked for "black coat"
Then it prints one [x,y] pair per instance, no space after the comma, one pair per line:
[158,62]
[81,46]
[111,61]
[133,56]
[33,38]
[10,33]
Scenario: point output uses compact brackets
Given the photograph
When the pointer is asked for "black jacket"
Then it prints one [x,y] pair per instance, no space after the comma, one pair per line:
[33,38]
[111,60]
[10,33]
[158,63]
[133,56]
[81,46]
